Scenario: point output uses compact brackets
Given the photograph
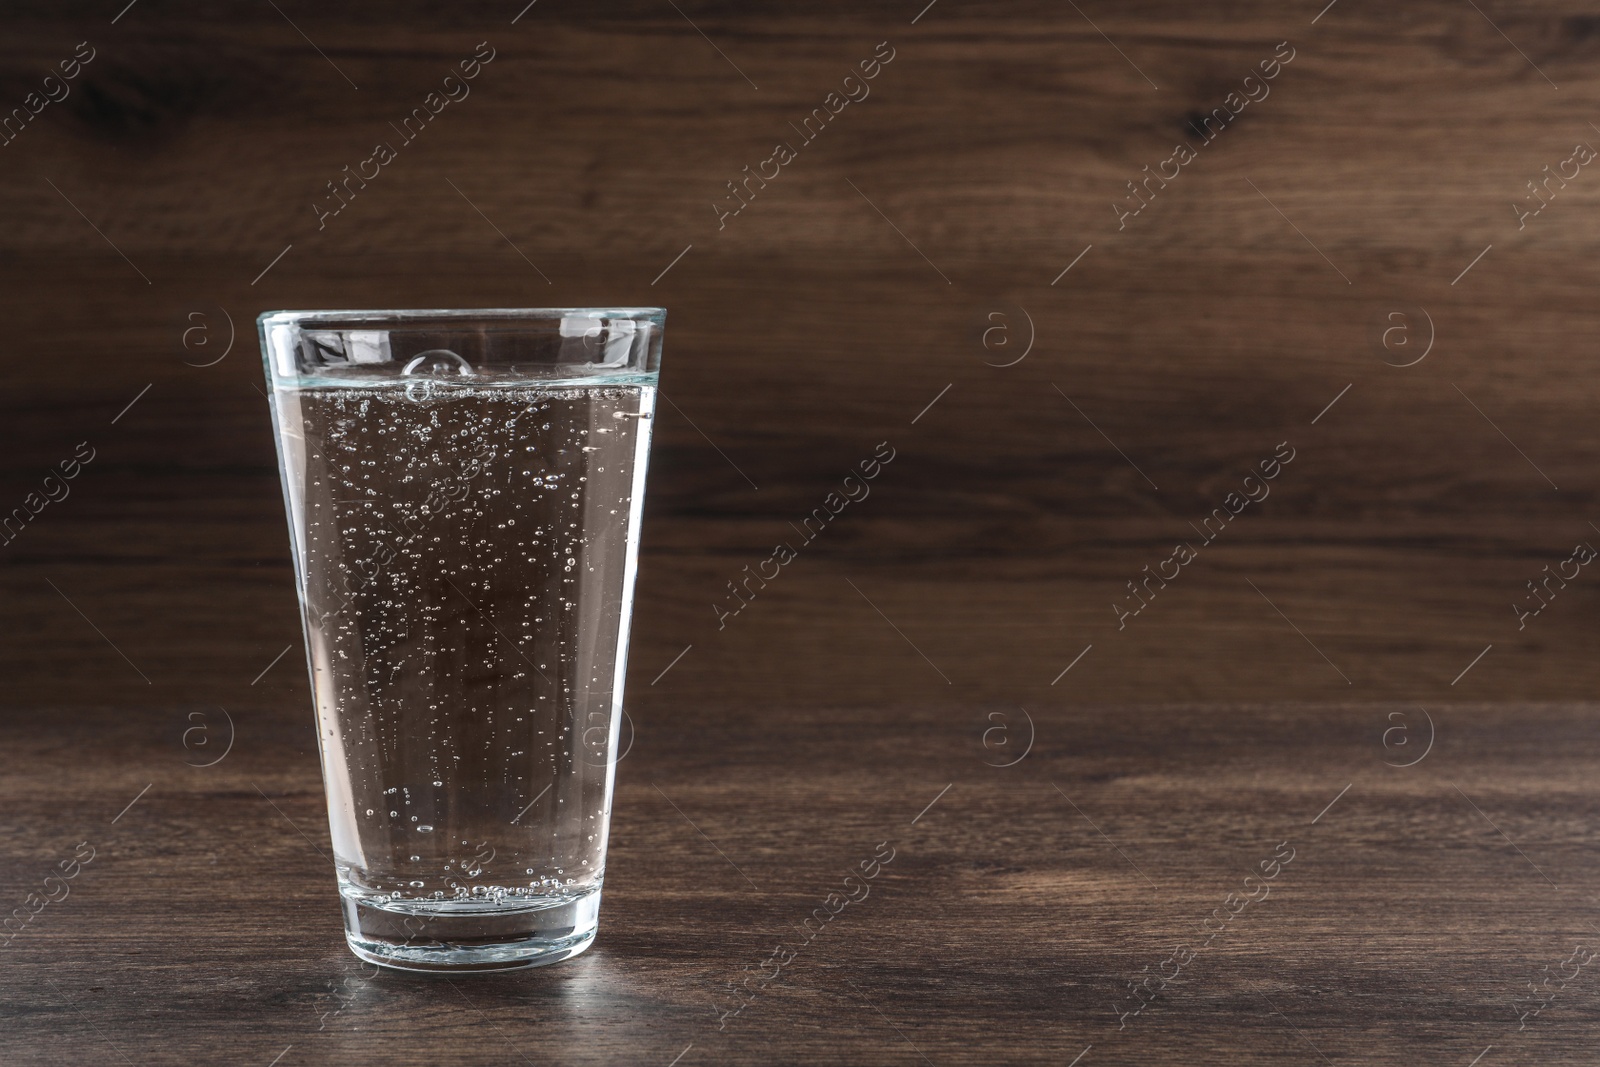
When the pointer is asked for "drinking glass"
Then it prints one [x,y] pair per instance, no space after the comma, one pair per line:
[463,491]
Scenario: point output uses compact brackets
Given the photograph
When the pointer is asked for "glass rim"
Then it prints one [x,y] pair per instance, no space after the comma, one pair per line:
[406,316]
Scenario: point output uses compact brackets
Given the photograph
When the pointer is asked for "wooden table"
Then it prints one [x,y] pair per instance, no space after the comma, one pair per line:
[1020,904]
[1069,390]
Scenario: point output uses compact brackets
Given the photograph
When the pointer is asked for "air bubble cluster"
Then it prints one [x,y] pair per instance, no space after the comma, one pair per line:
[464,553]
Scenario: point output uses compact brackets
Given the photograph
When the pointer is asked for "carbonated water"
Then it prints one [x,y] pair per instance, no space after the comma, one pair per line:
[466,557]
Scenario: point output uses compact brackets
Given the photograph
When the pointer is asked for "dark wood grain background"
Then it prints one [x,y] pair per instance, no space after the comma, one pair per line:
[873,292]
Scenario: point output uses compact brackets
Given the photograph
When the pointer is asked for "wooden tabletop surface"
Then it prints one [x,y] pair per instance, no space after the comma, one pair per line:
[1142,881]
[1324,796]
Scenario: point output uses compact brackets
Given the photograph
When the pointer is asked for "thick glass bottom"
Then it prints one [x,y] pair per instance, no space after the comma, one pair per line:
[460,936]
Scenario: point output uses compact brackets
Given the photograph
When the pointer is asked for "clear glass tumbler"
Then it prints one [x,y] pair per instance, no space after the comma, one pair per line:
[463,491]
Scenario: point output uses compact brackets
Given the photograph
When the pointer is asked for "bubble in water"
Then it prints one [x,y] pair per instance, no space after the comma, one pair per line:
[439,363]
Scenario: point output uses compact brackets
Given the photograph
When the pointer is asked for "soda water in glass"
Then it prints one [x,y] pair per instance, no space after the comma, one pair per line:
[463,491]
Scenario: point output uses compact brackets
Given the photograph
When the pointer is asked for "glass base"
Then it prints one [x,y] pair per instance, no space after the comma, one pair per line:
[451,936]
